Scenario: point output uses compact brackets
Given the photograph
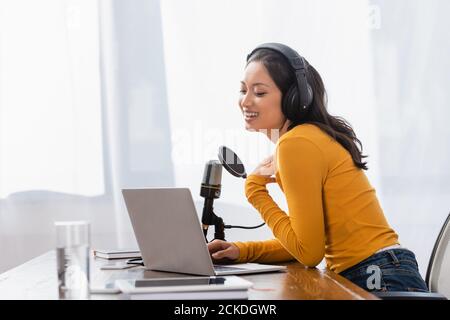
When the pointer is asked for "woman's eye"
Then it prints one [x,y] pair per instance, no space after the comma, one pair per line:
[260,94]
[243,91]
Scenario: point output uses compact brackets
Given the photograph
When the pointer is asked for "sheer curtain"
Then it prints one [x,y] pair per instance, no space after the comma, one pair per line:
[50,117]
[412,73]
[51,157]
[83,113]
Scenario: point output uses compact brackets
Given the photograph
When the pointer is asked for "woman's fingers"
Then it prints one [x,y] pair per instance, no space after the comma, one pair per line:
[268,160]
[221,254]
[223,251]
[216,245]
[266,167]
[222,257]
[231,252]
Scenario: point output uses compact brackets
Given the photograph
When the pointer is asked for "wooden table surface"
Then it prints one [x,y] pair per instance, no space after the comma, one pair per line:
[36,279]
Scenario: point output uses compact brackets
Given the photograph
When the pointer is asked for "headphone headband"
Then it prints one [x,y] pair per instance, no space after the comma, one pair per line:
[295,60]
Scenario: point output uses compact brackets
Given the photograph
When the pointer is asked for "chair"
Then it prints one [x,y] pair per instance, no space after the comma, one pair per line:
[438,272]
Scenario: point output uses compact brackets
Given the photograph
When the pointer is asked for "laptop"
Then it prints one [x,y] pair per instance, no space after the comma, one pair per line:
[170,237]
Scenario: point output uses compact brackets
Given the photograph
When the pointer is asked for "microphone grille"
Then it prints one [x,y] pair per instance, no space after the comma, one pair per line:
[213,173]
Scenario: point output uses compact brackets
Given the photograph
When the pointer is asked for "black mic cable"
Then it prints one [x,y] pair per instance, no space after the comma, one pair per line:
[227,226]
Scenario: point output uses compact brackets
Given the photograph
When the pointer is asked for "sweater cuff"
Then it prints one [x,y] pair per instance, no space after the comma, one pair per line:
[243,252]
[261,180]
[256,184]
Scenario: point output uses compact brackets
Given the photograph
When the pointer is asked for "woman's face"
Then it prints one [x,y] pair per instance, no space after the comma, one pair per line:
[260,99]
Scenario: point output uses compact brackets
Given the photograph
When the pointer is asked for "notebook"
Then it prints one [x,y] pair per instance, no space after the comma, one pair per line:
[117,253]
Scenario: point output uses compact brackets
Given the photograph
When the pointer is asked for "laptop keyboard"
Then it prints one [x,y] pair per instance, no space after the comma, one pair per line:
[225,268]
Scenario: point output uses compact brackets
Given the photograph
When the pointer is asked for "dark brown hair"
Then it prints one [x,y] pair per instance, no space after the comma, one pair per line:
[282,74]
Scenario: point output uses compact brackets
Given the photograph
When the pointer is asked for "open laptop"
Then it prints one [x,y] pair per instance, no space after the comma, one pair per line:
[170,237]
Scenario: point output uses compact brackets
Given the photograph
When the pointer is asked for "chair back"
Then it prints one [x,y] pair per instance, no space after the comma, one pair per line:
[438,272]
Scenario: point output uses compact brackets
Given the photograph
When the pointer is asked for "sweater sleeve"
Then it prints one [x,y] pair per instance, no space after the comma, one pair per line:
[302,170]
[268,251]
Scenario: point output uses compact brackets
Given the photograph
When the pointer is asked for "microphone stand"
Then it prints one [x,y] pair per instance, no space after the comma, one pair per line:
[216,221]
[210,190]
[219,227]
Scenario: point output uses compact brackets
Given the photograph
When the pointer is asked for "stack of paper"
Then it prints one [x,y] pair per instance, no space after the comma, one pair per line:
[117,253]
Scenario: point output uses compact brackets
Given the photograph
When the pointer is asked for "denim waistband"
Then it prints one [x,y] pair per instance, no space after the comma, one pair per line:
[386,256]
[395,246]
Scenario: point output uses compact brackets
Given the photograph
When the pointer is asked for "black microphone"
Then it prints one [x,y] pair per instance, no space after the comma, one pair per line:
[211,187]
[210,190]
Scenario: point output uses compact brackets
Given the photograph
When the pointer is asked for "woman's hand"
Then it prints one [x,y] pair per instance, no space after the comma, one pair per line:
[268,167]
[223,251]
[265,168]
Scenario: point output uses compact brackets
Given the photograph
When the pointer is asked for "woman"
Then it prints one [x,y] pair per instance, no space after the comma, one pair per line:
[333,210]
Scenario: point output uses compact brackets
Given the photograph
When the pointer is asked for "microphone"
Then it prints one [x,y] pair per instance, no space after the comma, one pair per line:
[211,187]
[210,190]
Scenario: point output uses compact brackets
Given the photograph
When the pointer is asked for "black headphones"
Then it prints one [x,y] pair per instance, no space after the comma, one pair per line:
[297,101]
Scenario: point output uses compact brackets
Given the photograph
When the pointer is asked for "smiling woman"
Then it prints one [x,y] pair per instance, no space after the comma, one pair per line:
[333,210]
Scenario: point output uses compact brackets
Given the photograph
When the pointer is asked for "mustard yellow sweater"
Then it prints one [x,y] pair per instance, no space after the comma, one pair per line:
[333,209]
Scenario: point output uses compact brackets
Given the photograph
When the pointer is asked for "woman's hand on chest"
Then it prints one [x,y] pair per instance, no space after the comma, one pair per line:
[267,167]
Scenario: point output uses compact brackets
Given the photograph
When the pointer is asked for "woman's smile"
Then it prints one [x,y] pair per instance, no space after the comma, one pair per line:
[249,115]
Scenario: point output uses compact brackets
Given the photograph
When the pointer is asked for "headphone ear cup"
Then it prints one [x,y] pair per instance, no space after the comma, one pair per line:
[291,104]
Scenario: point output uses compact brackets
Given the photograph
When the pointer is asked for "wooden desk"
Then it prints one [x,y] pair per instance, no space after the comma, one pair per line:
[36,279]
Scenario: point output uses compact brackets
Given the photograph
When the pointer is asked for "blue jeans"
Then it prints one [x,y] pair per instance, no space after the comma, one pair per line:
[390,270]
